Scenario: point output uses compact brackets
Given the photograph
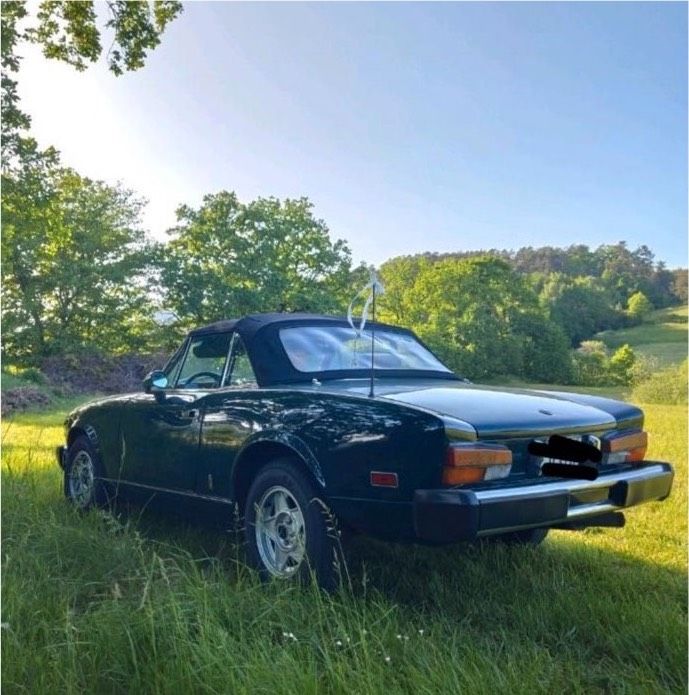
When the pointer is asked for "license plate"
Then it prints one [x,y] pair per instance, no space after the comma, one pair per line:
[588,438]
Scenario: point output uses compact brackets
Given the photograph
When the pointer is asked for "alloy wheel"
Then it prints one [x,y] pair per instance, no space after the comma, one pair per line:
[280,531]
[81,479]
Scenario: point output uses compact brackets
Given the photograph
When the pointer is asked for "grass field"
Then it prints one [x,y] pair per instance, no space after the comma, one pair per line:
[145,605]
[663,338]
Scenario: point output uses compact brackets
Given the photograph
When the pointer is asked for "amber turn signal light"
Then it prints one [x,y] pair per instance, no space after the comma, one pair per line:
[632,445]
[475,463]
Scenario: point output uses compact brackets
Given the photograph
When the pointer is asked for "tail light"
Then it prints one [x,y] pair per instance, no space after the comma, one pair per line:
[473,463]
[623,447]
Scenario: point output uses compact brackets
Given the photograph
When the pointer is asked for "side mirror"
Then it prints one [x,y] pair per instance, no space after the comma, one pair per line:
[155,382]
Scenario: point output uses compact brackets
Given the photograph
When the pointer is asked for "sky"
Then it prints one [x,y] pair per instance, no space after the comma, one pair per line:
[410,126]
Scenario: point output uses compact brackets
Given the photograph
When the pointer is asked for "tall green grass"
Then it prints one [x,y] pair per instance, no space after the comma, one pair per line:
[668,385]
[140,604]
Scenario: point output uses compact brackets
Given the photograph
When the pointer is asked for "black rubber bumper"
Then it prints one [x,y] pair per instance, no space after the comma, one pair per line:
[447,515]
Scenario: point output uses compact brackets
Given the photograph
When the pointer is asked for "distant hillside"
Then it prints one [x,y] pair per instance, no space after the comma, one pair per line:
[663,337]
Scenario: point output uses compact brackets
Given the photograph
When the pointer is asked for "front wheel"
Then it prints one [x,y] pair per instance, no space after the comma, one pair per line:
[290,532]
[82,481]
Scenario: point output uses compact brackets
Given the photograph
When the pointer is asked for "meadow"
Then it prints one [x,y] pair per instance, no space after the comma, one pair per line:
[140,604]
[662,338]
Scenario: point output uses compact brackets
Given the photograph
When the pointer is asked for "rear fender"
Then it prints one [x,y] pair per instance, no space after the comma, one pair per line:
[285,439]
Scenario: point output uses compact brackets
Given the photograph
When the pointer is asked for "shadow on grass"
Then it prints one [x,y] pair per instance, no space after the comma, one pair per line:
[566,597]
[399,571]
[421,578]
[580,603]
[451,579]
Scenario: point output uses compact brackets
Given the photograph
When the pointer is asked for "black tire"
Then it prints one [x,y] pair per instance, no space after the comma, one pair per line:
[319,547]
[82,455]
[529,536]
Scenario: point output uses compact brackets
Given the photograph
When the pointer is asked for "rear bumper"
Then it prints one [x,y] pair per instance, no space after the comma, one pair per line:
[443,516]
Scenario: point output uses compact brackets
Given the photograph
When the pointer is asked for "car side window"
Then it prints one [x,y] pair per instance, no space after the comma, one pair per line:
[204,361]
[240,372]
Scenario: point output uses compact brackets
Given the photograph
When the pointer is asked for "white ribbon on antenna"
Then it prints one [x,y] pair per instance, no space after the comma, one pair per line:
[374,284]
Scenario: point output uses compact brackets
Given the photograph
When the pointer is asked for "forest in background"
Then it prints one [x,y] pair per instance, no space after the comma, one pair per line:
[82,279]
[534,312]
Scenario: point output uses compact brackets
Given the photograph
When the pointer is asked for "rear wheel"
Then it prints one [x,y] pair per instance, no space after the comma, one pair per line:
[83,483]
[290,532]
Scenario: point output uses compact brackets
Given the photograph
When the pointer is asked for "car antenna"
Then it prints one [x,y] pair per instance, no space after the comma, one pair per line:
[376,287]
[373,336]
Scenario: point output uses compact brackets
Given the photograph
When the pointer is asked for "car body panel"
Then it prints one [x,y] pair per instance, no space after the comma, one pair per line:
[340,439]
[160,440]
[100,421]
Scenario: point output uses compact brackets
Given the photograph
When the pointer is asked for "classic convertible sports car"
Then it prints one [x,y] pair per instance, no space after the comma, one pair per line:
[282,417]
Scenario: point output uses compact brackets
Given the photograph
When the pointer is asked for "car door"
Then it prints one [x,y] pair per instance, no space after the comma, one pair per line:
[230,416]
[161,431]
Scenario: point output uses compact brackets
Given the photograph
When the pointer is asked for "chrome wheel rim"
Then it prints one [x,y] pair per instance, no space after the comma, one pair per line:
[280,532]
[81,479]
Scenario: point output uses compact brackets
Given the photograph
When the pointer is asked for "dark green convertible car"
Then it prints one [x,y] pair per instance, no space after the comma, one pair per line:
[282,417]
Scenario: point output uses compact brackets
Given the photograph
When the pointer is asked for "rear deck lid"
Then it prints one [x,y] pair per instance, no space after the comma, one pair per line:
[506,412]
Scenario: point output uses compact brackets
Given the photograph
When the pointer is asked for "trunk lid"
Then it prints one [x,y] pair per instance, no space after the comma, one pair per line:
[506,413]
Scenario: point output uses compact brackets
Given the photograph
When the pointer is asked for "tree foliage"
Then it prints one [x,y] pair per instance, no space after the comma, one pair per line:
[14,120]
[595,366]
[638,306]
[478,314]
[73,252]
[227,258]
[615,268]
[69,31]
[74,263]
[580,306]
[679,284]
[78,269]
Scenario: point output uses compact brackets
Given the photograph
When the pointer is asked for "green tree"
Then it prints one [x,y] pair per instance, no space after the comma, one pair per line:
[626,271]
[580,306]
[74,264]
[679,285]
[594,366]
[545,349]
[481,318]
[638,306]
[659,289]
[227,258]
[398,275]
[73,252]
[14,120]
[69,31]
[621,366]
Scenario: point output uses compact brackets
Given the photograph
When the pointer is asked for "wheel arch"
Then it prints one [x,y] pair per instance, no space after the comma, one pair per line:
[255,454]
[81,430]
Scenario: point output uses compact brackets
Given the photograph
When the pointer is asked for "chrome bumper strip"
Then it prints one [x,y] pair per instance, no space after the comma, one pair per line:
[571,486]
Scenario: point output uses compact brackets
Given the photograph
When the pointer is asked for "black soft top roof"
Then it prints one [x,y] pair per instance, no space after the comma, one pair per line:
[269,359]
[253,322]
